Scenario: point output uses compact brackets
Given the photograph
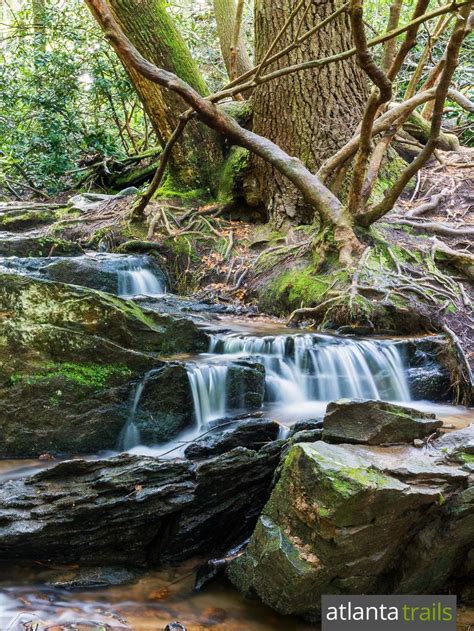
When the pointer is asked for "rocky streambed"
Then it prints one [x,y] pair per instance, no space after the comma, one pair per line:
[140,430]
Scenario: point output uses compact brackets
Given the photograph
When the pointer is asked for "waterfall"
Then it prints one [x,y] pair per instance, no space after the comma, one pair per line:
[301,369]
[138,281]
[314,367]
[130,434]
[208,386]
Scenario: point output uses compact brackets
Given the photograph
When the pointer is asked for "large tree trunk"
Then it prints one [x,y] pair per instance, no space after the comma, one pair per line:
[225,12]
[309,114]
[148,26]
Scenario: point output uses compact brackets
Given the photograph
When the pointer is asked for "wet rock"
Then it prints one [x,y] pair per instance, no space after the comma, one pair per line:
[251,433]
[70,358]
[99,271]
[135,510]
[245,385]
[166,404]
[302,426]
[353,519]
[376,423]
[175,626]
[428,377]
[93,577]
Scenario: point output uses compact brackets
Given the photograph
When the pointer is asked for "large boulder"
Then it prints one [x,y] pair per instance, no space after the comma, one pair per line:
[376,423]
[135,510]
[351,519]
[70,359]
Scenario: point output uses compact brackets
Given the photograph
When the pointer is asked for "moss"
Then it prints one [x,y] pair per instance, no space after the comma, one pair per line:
[171,190]
[27,217]
[90,375]
[295,288]
[392,166]
[231,179]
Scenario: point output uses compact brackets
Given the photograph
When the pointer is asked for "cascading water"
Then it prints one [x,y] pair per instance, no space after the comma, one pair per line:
[300,369]
[138,281]
[208,386]
[130,434]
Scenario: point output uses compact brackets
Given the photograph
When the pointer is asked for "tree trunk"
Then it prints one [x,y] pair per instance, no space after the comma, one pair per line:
[225,11]
[309,114]
[148,26]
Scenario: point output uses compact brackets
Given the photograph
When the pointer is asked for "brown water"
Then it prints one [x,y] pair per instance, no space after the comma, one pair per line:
[148,605]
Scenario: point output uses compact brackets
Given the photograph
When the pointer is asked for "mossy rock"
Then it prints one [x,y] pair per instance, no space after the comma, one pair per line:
[339,521]
[36,245]
[70,359]
[13,220]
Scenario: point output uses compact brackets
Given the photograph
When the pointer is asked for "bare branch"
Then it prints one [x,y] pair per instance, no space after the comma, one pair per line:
[378,97]
[452,59]
[155,184]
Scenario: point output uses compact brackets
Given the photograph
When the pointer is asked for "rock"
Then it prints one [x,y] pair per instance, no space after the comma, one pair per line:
[458,446]
[251,433]
[305,436]
[175,626]
[349,519]
[428,376]
[164,411]
[93,577]
[36,244]
[160,511]
[376,423]
[100,271]
[418,443]
[302,426]
[70,358]
[245,385]
[24,218]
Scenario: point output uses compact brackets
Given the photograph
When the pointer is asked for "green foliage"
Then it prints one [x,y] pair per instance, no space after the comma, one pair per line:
[65,98]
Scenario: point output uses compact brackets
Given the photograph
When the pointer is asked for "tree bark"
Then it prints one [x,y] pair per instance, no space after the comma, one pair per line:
[311,114]
[225,11]
[151,30]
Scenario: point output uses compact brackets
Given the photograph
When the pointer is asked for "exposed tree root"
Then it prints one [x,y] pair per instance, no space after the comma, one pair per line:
[437,228]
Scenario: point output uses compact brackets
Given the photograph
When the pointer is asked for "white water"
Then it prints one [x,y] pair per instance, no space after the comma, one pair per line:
[306,371]
[139,281]
[130,434]
[208,385]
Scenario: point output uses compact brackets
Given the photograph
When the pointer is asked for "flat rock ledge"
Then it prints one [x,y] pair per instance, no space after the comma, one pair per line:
[134,510]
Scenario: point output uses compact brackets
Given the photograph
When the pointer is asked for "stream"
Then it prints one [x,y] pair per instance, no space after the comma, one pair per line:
[303,372]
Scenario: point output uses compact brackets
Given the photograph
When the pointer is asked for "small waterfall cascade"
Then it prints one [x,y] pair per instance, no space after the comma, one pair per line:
[136,280]
[209,389]
[300,369]
[322,368]
[130,434]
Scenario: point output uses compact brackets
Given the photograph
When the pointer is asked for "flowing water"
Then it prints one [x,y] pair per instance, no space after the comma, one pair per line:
[139,281]
[125,275]
[304,371]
